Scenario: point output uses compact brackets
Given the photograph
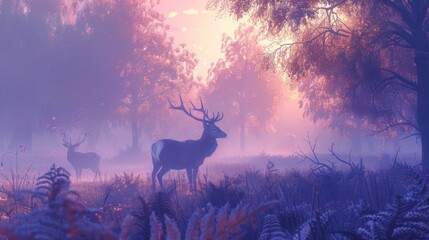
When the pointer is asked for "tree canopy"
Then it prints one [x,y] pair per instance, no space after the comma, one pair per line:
[240,85]
[364,60]
[68,64]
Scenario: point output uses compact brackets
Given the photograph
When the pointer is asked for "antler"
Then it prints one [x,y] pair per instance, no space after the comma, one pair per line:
[79,142]
[69,142]
[217,118]
[65,141]
[201,109]
[205,111]
[189,113]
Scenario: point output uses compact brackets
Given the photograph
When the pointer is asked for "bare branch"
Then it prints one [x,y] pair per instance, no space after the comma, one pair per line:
[318,165]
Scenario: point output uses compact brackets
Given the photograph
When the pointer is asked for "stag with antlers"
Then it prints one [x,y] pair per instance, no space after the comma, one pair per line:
[79,160]
[170,154]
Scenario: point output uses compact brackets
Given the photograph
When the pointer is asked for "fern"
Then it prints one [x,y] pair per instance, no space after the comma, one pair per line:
[406,218]
[272,229]
[136,225]
[59,217]
[194,226]
[53,185]
[294,216]
[173,232]
[218,196]
[226,223]
[207,226]
[140,222]
[161,204]
[155,228]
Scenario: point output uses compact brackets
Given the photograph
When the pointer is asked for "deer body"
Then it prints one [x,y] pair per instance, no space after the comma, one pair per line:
[80,161]
[170,154]
[189,153]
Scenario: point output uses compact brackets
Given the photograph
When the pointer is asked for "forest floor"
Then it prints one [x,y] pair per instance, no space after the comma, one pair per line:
[318,199]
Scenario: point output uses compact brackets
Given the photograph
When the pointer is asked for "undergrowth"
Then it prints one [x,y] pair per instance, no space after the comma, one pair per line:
[321,203]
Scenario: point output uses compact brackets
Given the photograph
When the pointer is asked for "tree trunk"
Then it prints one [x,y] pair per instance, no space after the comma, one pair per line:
[422,71]
[242,137]
[356,140]
[22,135]
[135,133]
[423,114]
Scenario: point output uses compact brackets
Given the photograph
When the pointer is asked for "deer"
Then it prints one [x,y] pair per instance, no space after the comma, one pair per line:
[170,154]
[80,161]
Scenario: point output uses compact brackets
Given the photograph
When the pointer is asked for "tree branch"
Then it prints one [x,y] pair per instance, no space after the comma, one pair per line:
[400,8]
[403,81]
[399,31]
[318,165]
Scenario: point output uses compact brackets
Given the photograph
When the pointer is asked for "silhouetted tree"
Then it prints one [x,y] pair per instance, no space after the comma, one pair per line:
[67,64]
[239,84]
[154,69]
[362,60]
[24,59]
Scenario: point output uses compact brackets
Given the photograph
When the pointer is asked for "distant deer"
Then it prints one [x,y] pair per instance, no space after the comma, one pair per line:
[81,161]
[190,154]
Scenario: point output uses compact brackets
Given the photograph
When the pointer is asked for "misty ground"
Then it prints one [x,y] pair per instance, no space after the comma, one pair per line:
[140,164]
[304,196]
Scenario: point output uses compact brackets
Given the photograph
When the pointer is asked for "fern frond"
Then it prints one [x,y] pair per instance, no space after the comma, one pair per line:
[194,226]
[304,231]
[160,203]
[207,224]
[136,224]
[272,229]
[172,231]
[221,231]
[155,228]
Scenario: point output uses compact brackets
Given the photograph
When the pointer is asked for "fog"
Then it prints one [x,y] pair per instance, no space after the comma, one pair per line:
[102,69]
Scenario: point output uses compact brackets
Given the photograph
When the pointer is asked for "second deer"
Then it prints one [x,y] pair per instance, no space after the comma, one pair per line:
[170,154]
[80,161]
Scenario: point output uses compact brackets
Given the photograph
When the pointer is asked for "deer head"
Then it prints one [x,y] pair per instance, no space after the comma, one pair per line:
[72,146]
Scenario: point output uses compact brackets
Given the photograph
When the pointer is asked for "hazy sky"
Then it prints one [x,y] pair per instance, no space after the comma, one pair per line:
[201,30]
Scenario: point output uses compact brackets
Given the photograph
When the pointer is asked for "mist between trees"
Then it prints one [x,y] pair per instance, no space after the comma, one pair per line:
[108,67]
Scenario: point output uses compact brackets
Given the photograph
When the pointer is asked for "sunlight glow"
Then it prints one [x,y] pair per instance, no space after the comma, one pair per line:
[172,14]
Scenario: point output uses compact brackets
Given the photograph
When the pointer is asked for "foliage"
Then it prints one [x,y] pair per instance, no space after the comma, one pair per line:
[224,193]
[294,205]
[356,63]
[272,229]
[248,93]
[136,225]
[119,198]
[406,218]
[222,223]
[59,216]
[86,64]
[144,217]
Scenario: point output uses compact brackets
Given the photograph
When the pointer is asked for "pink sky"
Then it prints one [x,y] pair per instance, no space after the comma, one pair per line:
[199,29]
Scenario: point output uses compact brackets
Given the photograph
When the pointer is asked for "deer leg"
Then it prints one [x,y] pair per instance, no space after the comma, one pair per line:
[194,180]
[77,174]
[155,170]
[97,173]
[160,174]
[189,172]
